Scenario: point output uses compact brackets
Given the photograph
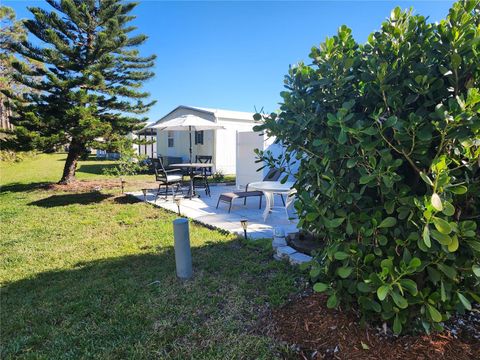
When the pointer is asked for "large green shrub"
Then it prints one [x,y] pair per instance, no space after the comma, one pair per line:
[387,135]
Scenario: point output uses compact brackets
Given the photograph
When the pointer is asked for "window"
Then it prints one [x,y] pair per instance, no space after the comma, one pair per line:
[171,142]
[199,137]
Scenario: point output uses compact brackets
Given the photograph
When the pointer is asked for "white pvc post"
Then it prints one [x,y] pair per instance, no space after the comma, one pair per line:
[183,255]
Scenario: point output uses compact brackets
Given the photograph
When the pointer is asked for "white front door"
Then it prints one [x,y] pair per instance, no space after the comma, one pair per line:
[246,167]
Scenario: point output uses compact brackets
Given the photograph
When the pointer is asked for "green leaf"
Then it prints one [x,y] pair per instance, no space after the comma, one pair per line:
[399,300]
[365,179]
[342,138]
[388,222]
[443,295]
[475,245]
[474,296]
[434,313]
[447,270]
[340,255]
[344,272]
[456,60]
[410,286]
[465,302]
[320,287]
[382,292]
[395,13]
[453,246]
[331,118]
[426,236]
[363,287]
[314,272]
[389,207]
[448,208]
[397,325]
[392,120]
[370,131]
[442,225]
[426,178]
[476,270]
[441,238]
[364,346]
[459,190]
[332,301]
[352,162]
[334,223]
[436,202]
[415,263]
[311,216]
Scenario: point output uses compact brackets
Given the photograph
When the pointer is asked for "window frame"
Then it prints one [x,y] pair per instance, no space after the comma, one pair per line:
[199,137]
[170,139]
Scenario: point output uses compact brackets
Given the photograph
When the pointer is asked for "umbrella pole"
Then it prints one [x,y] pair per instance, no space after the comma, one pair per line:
[190,134]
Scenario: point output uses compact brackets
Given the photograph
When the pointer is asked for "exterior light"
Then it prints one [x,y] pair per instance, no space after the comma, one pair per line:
[244,223]
[122,180]
[177,201]
[144,194]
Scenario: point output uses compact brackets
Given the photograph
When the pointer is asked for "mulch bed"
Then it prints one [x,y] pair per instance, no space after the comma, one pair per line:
[316,332]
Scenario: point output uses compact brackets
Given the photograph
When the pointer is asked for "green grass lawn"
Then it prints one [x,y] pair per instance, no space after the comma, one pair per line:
[92,275]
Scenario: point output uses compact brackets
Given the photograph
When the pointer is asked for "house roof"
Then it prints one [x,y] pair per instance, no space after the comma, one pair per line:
[228,114]
[218,113]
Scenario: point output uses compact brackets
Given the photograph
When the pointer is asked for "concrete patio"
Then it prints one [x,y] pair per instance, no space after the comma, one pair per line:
[204,210]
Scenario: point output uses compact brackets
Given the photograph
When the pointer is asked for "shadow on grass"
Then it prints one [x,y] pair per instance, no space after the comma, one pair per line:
[21,187]
[126,199]
[97,169]
[135,307]
[93,197]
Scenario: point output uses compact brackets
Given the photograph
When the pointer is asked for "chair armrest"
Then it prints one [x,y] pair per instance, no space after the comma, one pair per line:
[173,170]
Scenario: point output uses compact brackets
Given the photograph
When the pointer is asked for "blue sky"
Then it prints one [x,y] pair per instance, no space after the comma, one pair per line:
[234,55]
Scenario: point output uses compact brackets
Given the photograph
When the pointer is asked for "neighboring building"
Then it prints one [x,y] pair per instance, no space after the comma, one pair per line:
[221,144]
[150,147]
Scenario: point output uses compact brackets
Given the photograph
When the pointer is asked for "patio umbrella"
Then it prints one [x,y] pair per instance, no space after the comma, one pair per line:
[188,123]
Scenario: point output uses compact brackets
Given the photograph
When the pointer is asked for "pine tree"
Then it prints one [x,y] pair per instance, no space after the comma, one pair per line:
[90,81]
[11,31]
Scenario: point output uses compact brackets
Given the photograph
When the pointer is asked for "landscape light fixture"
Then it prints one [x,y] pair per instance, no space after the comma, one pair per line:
[122,180]
[144,194]
[244,223]
[177,201]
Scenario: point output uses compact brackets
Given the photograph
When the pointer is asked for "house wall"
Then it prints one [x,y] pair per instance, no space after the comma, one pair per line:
[221,143]
[226,143]
[181,138]
[247,169]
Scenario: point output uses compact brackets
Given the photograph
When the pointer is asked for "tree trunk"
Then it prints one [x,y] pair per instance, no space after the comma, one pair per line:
[74,152]
[5,114]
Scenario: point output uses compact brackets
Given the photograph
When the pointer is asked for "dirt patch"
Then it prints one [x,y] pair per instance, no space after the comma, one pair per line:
[316,332]
[98,185]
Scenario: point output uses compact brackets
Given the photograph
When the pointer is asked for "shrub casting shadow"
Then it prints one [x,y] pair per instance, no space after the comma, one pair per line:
[70,199]
[20,187]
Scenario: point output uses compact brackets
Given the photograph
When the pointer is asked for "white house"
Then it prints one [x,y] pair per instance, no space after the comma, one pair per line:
[247,167]
[221,144]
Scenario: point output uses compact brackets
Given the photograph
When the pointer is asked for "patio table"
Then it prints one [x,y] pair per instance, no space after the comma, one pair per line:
[191,168]
[269,189]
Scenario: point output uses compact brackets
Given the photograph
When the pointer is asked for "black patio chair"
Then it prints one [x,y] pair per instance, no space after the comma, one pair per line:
[167,178]
[202,174]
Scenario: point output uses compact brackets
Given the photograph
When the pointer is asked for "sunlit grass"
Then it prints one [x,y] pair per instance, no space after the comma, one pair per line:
[92,275]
